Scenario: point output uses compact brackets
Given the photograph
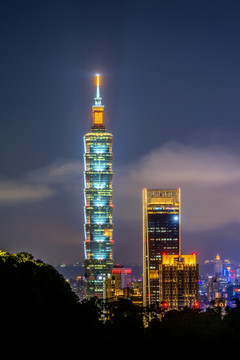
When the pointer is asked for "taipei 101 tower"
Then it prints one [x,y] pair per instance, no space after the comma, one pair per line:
[98,207]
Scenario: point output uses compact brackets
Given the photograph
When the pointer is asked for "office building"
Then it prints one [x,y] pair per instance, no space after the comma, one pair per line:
[98,207]
[124,274]
[119,285]
[218,269]
[161,235]
[179,281]
[213,288]
[119,282]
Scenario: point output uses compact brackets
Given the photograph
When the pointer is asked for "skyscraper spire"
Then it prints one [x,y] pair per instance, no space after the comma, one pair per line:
[98,99]
[98,84]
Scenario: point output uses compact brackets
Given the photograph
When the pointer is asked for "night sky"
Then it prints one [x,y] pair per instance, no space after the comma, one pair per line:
[170,86]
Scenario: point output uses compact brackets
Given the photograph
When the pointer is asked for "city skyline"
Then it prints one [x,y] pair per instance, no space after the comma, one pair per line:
[171,90]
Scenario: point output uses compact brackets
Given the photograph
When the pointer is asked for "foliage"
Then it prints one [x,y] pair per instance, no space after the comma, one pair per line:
[123,318]
[39,308]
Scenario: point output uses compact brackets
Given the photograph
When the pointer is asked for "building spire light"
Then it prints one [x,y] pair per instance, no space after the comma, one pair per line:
[98,85]
[98,99]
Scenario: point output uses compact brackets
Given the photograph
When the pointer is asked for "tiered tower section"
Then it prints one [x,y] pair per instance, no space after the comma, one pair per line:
[98,201]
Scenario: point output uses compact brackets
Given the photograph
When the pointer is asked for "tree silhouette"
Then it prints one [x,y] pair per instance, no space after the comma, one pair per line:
[39,309]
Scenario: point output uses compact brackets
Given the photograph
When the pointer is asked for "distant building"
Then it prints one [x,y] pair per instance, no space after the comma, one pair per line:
[238,272]
[236,294]
[78,286]
[124,275]
[117,281]
[161,235]
[218,268]
[119,285]
[213,288]
[136,293]
[230,292]
[179,281]
[220,302]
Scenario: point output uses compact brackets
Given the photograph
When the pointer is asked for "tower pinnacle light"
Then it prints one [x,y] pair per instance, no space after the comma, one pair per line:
[98,85]
[98,99]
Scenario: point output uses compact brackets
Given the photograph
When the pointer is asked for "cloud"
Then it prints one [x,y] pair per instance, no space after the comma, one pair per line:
[61,172]
[42,212]
[209,178]
[40,184]
[15,192]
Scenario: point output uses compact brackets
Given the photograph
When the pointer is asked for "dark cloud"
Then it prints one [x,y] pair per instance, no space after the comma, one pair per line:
[208,176]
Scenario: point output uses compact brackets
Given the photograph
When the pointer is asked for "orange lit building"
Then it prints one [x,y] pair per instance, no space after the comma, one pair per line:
[119,285]
[179,281]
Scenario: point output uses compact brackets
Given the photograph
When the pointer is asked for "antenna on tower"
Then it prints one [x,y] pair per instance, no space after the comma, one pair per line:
[98,99]
[98,84]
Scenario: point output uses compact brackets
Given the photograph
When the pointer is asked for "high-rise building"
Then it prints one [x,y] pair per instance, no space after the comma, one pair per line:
[179,281]
[124,274]
[119,285]
[218,266]
[118,280]
[213,288]
[161,235]
[98,201]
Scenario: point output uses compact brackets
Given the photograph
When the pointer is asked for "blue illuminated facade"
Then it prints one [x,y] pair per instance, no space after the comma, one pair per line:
[98,202]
